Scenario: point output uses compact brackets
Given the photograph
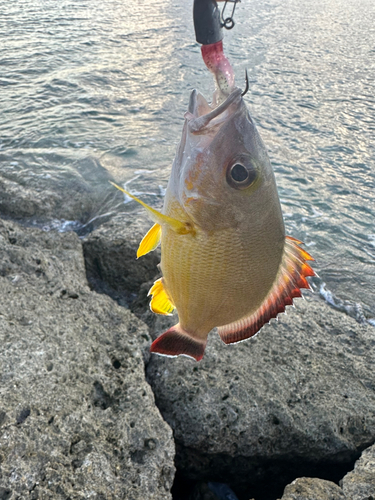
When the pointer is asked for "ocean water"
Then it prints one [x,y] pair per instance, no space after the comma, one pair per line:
[108,82]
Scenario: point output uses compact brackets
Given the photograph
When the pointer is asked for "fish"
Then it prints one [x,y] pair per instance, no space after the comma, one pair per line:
[225,259]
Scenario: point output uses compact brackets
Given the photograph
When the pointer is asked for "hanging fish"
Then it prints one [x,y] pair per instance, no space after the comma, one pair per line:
[225,259]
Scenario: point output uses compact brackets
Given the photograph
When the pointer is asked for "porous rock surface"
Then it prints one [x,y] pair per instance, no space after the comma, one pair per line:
[111,257]
[296,400]
[307,488]
[299,398]
[112,266]
[77,418]
[359,484]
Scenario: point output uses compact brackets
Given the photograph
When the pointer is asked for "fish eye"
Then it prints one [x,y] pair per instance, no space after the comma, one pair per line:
[240,176]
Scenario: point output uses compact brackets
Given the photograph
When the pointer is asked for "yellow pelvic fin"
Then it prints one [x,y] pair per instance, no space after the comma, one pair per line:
[158,217]
[160,302]
[150,241]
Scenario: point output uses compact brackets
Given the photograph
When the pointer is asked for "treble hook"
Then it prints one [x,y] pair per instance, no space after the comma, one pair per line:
[247,84]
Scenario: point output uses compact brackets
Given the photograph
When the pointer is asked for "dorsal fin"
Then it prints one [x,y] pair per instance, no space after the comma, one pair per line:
[290,279]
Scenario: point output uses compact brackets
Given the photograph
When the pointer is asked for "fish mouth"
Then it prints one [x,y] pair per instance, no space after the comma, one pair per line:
[200,114]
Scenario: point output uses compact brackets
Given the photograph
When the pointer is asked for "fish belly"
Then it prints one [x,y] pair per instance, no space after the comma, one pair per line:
[215,279]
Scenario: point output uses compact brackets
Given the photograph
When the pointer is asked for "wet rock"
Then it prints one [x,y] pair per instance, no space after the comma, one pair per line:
[73,194]
[296,400]
[111,257]
[77,418]
[359,484]
[307,488]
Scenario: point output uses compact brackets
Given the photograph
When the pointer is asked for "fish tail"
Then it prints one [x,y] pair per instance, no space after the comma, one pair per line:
[177,341]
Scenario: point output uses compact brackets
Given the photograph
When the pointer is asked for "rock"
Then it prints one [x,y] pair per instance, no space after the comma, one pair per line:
[256,410]
[111,257]
[307,488]
[359,484]
[296,400]
[69,195]
[112,266]
[77,418]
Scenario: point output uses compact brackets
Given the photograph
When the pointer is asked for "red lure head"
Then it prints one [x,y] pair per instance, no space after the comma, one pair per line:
[218,64]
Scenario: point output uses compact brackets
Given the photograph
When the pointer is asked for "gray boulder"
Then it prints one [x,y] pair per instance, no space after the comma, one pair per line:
[111,258]
[77,418]
[299,399]
[112,267]
[359,484]
[308,488]
[292,399]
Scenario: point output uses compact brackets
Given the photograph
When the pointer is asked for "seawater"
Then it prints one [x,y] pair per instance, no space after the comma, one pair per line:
[109,81]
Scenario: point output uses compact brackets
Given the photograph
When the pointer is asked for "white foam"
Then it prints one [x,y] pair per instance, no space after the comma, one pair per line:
[351,308]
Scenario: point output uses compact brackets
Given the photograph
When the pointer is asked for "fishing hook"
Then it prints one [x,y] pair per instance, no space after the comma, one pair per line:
[228,22]
[247,84]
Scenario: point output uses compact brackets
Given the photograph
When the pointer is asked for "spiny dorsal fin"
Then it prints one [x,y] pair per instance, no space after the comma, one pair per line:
[160,302]
[291,278]
[150,241]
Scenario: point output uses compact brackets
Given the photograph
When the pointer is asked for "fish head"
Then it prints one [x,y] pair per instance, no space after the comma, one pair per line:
[221,176]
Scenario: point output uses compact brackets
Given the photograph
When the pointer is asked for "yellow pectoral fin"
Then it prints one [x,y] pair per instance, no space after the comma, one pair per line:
[150,241]
[158,217]
[160,302]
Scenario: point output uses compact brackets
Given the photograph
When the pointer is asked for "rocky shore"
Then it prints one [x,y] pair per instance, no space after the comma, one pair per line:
[86,412]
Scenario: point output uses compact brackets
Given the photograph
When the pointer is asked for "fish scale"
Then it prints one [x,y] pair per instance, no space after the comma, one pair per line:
[195,283]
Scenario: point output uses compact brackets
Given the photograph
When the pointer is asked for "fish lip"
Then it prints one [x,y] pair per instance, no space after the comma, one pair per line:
[196,122]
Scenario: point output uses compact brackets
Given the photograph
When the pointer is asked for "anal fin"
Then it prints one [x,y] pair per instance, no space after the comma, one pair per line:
[287,286]
[176,341]
[150,241]
[160,302]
